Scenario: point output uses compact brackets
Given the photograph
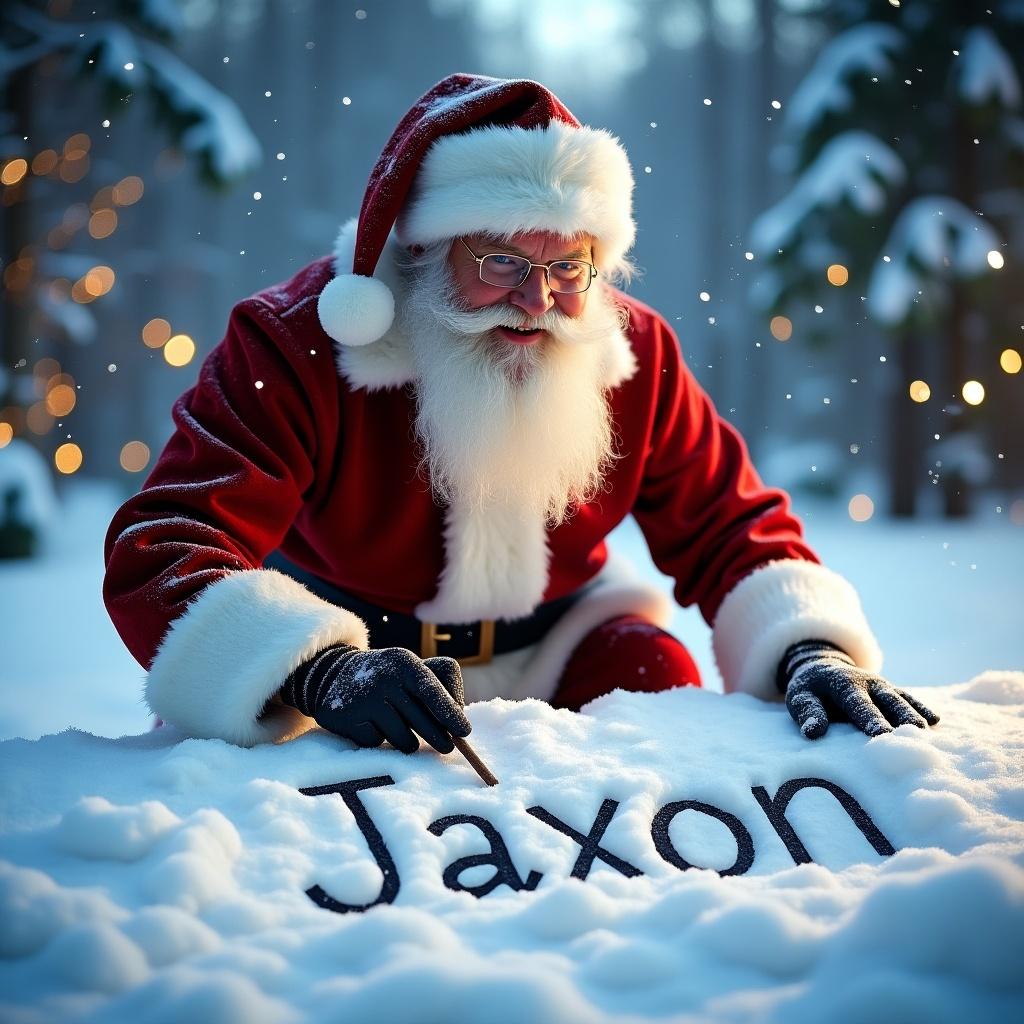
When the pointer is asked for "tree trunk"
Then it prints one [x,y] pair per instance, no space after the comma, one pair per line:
[905,442]
[955,486]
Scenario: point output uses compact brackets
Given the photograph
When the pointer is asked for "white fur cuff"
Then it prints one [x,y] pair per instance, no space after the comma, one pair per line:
[224,659]
[781,604]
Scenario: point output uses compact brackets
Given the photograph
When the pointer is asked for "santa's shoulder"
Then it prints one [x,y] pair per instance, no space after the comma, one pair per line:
[650,335]
[288,298]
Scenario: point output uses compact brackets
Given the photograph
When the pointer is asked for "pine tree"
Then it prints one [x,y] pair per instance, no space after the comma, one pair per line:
[120,51]
[906,147]
[99,56]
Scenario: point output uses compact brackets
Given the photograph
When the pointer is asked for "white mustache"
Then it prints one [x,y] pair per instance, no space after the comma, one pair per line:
[477,321]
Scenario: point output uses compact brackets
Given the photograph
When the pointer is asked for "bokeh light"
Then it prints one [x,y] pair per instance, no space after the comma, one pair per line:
[68,458]
[99,280]
[973,392]
[128,190]
[77,146]
[103,223]
[134,457]
[38,419]
[919,391]
[837,274]
[6,433]
[1010,360]
[44,162]
[781,328]
[995,259]
[44,371]
[156,333]
[14,171]
[179,350]
[74,169]
[60,400]
[861,508]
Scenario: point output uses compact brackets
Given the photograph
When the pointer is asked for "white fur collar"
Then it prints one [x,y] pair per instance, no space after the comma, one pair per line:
[387,363]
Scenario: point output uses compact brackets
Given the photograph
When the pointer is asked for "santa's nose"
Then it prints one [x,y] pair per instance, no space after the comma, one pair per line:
[533,296]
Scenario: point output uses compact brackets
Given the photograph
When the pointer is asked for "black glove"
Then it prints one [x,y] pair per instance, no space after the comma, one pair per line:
[822,684]
[373,696]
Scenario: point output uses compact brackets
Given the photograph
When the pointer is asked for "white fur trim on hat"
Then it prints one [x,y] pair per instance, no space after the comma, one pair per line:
[505,179]
[225,658]
[781,604]
[356,310]
[387,363]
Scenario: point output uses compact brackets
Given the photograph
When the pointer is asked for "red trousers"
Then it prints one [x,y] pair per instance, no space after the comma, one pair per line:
[627,653]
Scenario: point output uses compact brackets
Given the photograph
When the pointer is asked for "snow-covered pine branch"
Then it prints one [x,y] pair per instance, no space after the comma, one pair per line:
[855,167]
[205,122]
[865,51]
[215,130]
[934,239]
[985,72]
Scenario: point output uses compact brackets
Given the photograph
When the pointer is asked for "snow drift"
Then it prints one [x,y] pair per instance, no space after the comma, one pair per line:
[156,878]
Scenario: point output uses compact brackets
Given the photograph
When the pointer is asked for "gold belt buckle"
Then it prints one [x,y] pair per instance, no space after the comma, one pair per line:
[429,638]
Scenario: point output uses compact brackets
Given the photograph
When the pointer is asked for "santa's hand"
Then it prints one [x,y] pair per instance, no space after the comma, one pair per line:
[373,696]
[822,685]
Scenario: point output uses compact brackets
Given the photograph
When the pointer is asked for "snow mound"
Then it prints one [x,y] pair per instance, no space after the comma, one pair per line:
[995,688]
[660,856]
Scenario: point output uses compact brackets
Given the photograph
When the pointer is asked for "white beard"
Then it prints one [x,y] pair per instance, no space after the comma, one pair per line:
[521,428]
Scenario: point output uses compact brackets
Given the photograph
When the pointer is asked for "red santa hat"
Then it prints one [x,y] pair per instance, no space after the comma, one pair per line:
[478,154]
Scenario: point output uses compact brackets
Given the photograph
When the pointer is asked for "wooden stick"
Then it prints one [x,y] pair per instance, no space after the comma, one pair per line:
[473,758]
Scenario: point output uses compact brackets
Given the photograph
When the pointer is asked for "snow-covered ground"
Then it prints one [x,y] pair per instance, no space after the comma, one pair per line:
[155,878]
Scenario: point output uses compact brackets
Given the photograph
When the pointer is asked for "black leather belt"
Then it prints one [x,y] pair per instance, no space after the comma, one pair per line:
[471,643]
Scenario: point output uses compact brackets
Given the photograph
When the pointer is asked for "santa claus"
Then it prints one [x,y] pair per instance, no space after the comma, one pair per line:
[391,486]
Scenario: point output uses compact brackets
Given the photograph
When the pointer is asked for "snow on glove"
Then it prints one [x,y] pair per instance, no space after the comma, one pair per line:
[389,694]
[822,684]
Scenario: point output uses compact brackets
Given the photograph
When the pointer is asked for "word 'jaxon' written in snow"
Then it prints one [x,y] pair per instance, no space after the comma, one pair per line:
[590,846]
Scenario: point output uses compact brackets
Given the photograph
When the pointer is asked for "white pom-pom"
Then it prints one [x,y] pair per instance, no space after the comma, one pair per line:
[356,310]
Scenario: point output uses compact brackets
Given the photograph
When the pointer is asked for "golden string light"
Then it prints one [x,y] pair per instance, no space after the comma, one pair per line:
[68,458]
[1010,360]
[919,391]
[99,281]
[837,275]
[14,171]
[179,350]
[79,293]
[60,400]
[973,392]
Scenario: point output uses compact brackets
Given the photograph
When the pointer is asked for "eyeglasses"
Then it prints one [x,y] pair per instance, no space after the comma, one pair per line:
[502,270]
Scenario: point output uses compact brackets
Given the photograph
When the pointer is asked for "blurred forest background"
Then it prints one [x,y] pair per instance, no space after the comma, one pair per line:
[829,200]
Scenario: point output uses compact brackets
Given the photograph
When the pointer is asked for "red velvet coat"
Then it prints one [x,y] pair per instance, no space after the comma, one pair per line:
[275,448]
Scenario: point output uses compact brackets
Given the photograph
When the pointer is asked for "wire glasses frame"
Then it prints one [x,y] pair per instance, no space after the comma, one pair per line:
[569,277]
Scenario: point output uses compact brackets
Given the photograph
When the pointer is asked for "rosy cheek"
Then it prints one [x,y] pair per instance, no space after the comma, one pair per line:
[571,305]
